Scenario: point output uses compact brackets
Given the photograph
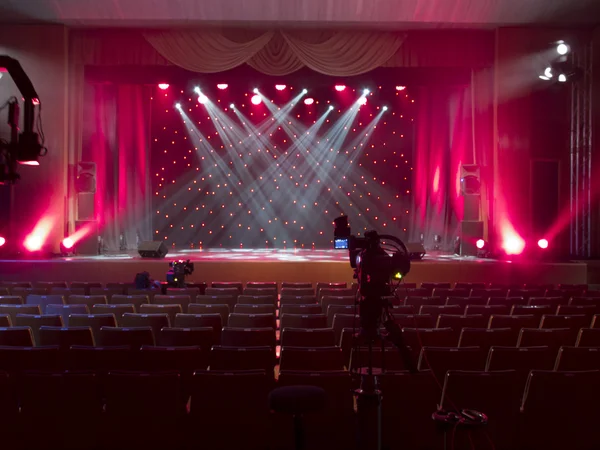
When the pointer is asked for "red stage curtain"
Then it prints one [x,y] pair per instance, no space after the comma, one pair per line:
[116,137]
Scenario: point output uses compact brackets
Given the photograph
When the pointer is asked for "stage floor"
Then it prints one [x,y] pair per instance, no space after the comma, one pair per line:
[283,265]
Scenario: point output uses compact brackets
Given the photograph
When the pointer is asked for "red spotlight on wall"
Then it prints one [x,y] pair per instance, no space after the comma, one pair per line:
[543,244]
[400,88]
[163,86]
[256,100]
[202,99]
[280,87]
[340,87]
[362,101]
[480,244]
[309,101]
[2,241]
[34,242]
[222,86]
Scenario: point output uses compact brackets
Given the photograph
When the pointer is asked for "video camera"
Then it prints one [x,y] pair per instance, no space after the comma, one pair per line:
[178,271]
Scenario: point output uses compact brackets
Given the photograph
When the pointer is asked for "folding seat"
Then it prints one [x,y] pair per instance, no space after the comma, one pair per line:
[457,322]
[515,323]
[432,286]
[578,358]
[11,300]
[228,300]
[336,292]
[469,286]
[251,321]
[122,287]
[287,299]
[187,337]
[463,302]
[88,300]
[64,409]
[254,309]
[24,292]
[13,310]
[586,301]
[484,338]
[337,300]
[100,359]
[332,310]
[434,310]
[65,337]
[149,293]
[214,321]
[9,410]
[595,321]
[341,321]
[4,291]
[296,285]
[531,310]
[582,288]
[155,321]
[506,301]
[87,286]
[16,337]
[238,285]
[409,427]
[268,300]
[403,309]
[574,323]
[414,320]
[223,292]
[417,338]
[17,360]
[553,302]
[488,293]
[182,300]
[93,321]
[220,399]
[262,285]
[135,300]
[559,411]
[271,292]
[418,292]
[248,337]
[170,310]
[242,358]
[486,311]
[184,360]
[35,321]
[44,300]
[191,292]
[222,310]
[588,337]
[143,401]
[300,321]
[14,284]
[334,285]
[66,310]
[385,359]
[50,284]
[313,359]
[297,292]
[115,310]
[308,337]
[106,292]
[5,321]
[496,394]
[417,302]
[120,336]
[572,310]
[333,422]
[526,293]
[66,292]
[553,338]
[300,309]
[446,292]
[441,359]
[520,359]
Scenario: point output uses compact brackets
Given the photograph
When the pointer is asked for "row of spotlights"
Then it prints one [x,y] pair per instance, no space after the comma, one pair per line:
[279,87]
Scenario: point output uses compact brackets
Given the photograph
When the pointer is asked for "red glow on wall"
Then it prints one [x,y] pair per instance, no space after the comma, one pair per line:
[512,243]
[37,238]
[222,86]
[280,87]
[340,87]
[163,86]
[2,241]
[400,88]
[309,101]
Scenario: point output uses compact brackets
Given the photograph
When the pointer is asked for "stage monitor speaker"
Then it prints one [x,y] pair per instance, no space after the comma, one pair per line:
[416,250]
[471,232]
[86,177]
[89,244]
[153,249]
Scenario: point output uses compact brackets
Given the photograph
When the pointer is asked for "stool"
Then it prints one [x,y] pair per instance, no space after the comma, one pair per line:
[297,401]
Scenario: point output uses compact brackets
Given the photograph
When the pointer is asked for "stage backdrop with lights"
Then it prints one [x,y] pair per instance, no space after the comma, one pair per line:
[273,166]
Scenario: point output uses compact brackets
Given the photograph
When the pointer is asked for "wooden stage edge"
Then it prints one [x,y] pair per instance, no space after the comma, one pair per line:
[115,269]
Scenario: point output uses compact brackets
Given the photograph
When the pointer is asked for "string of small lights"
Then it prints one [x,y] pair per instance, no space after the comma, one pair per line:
[272,167]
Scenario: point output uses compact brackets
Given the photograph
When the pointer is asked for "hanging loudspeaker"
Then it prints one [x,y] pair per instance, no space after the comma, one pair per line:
[470,179]
[86,177]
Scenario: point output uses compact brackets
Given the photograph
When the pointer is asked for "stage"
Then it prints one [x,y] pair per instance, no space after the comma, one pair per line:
[284,265]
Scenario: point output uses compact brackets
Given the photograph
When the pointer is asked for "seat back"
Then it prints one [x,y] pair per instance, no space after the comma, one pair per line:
[223,310]
[155,321]
[292,299]
[35,321]
[553,338]
[578,358]
[11,300]
[182,300]
[121,336]
[248,337]
[65,337]
[187,337]
[303,321]
[308,337]
[242,358]
[66,310]
[313,359]
[520,359]
[93,321]
[254,309]
[441,359]
[170,310]
[44,300]
[117,310]
[135,300]
[16,337]
[588,337]
[237,320]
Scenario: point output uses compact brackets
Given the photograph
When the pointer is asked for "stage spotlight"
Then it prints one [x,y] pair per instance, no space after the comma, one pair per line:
[256,99]
[385,108]
[513,245]
[562,78]
[400,88]
[543,244]
[232,106]
[309,101]
[340,87]
[197,90]
[255,90]
[33,243]
[562,48]
[480,244]
[163,86]
[362,101]
[2,241]
[202,99]
[280,87]
[178,105]
[366,92]
[330,107]
[222,86]
[304,91]
[66,246]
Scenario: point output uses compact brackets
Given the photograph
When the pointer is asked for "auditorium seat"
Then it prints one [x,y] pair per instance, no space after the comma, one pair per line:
[431,286]
[35,321]
[574,323]
[296,285]
[66,310]
[262,285]
[553,338]
[588,337]
[435,310]
[268,300]
[300,309]
[553,302]
[559,411]
[418,292]
[484,338]
[414,321]
[337,300]
[264,292]
[50,284]
[223,292]
[242,358]
[170,310]
[106,292]
[18,360]
[237,320]
[586,301]
[448,292]
[311,358]
[214,321]
[149,293]
[486,310]
[441,359]
[121,336]
[526,293]
[506,301]
[248,337]
[184,360]
[403,309]
[44,300]
[531,310]
[297,291]
[223,310]
[572,310]
[11,300]
[578,358]
[469,286]
[155,321]
[116,310]
[16,337]
[14,284]
[191,292]
[65,337]
[303,321]
[290,299]
[238,285]
[332,310]
[88,300]
[100,360]
[520,359]
[228,300]
[385,360]
[330,285]
[514,323]
[66,292]
[182,300]
[24,292]
[335,292]
[463,302]
[418,302]
[5,321]
[254,309]
[488,293]
[417,338]
[187,337]
[308,337]
[122,287]
[229,409]
[87,286]
[93,321]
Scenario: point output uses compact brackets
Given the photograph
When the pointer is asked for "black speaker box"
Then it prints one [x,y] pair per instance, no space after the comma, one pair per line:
[88,245]
[471,232]
[416,250]
[153,249]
